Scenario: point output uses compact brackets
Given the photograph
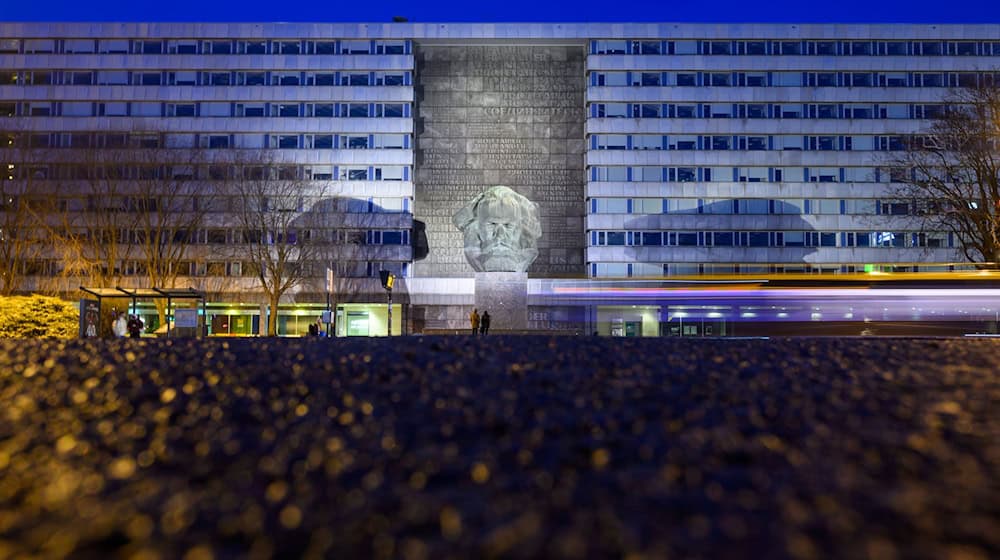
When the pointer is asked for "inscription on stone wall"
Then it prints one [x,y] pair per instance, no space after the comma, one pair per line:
[499,115]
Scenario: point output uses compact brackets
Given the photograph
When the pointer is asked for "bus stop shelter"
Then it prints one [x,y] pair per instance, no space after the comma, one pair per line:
[135,294]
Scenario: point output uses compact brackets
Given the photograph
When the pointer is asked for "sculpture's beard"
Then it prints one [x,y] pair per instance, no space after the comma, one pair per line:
[500,246]
[504,261]
[499,256]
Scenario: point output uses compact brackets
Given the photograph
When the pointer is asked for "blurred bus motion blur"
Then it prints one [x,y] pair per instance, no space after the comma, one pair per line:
[874,303]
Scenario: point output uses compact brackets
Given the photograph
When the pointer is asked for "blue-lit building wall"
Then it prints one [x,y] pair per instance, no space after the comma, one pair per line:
[735,148]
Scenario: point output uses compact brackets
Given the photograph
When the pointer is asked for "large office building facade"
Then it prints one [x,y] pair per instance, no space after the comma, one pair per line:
[652,150]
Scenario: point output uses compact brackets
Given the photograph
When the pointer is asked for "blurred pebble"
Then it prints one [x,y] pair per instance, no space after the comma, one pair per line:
[521,447]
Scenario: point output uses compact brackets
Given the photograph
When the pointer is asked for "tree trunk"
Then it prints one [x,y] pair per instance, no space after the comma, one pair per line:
[161,311]
[272,317]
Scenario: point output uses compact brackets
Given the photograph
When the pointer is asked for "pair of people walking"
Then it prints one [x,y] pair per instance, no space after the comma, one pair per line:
[480,325]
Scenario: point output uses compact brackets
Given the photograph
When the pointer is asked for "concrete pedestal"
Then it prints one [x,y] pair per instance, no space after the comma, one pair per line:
[505,296]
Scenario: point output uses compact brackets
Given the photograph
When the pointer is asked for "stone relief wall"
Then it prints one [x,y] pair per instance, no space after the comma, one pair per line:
[500,115]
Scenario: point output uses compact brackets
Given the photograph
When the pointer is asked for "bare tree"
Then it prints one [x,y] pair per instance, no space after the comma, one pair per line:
[135,209]
[18,226]
[285,232]
[352,254]
[951,174]
[24,204]
[101,173]
[171,206]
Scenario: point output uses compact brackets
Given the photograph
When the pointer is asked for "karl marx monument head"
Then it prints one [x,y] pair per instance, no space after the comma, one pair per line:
[501,230]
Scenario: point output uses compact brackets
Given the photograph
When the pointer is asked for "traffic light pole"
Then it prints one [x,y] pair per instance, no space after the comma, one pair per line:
[387,280]
[330,318]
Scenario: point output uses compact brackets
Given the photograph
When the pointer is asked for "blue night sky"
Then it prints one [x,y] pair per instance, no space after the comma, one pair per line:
[835,11]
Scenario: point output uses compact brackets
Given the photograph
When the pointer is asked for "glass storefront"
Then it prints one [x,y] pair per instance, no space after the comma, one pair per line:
[628,320]
[365,319]
[654,320]
[352,319]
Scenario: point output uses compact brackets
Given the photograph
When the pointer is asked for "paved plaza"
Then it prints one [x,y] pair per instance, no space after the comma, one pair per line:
[512,447]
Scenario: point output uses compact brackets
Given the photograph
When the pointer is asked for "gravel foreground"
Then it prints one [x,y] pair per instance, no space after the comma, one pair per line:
[512,447]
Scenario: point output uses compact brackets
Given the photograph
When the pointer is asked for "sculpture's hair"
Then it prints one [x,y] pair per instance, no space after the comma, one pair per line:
[531,227]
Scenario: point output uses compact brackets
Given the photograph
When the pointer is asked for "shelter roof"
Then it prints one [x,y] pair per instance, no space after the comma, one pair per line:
[152,293]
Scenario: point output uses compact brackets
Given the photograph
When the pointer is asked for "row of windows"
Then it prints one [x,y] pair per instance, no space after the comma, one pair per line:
[610,270]
[768,110]
[197,203]
[792,47]
[369,205]
[367,110]
[656,174]
[204,78]
[185,172]
[895,239]
[45,267]
[756,206]
[222,236]
[611,46]
[204,109]
[694,78]
[373,173]
[823,142]
[359,141]
[651,174]
[345,269]
[201,46]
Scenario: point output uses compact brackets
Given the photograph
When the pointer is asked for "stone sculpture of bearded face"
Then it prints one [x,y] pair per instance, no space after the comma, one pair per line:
[501,230]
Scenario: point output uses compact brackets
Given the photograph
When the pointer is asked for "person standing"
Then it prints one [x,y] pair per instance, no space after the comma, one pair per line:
[474,321]
[484,323]
[134,326]
[120,325]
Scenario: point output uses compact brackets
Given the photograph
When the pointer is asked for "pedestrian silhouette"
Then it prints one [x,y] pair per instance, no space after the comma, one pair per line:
[474,320]
[484,323]
[134,326]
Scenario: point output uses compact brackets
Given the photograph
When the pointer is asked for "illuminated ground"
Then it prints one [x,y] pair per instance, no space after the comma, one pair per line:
[506,446]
